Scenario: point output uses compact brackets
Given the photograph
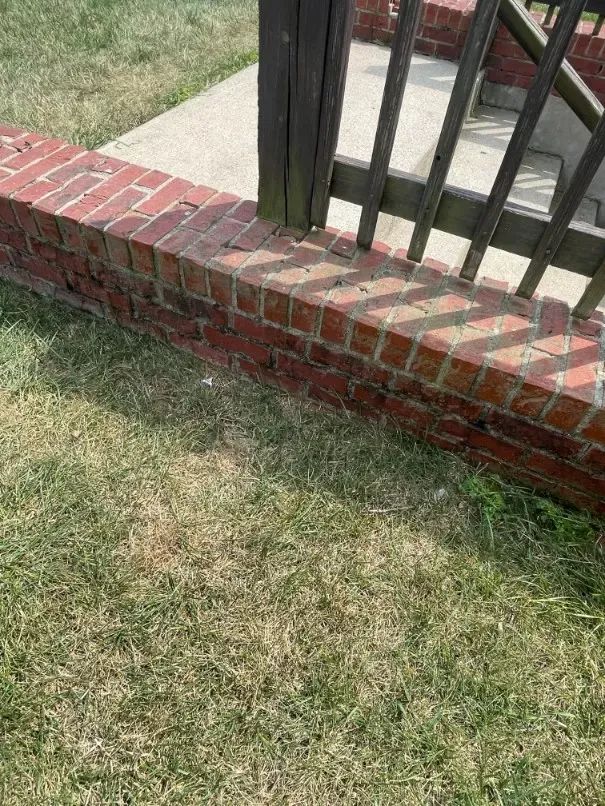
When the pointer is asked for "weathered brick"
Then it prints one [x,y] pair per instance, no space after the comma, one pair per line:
[167,254]
[532,433]
[164,198]
[539,384]
[268,334]
[236,344]
[256,234]
[144,239]
[348,364]
[290,385]
[218,206]
[306,372]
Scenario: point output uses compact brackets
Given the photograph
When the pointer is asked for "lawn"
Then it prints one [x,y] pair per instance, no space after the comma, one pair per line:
[219,594]
[90,70]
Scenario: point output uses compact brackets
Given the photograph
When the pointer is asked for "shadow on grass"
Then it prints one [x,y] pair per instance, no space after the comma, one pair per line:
[383,474]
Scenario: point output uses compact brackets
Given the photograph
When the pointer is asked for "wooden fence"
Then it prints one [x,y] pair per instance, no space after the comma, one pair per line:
[304,50]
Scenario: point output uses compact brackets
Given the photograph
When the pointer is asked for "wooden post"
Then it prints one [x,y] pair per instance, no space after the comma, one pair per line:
[304,48]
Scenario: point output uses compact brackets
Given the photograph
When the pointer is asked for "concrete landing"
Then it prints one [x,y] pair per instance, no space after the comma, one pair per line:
[211,139]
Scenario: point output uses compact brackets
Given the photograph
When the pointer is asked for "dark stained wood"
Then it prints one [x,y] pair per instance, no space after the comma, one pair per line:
[598,25]
[568,83]
[535,101]
[307,70]
[274,119]
[549,15]
[337,60]
[397,75]
[293,48]
[472,57]
[549,243]
[519,230]
[593,296]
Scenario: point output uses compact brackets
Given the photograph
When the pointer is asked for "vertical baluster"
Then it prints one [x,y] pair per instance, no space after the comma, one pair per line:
[553,235]
[397,76]
[537,97]
[479,38]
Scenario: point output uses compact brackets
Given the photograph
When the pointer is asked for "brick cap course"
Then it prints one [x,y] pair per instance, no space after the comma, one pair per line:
[516,385]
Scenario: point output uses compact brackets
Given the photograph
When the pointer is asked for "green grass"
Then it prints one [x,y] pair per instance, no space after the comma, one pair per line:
[225,595]
[90,70]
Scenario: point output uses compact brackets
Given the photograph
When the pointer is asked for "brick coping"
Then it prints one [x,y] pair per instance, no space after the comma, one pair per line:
[510,383]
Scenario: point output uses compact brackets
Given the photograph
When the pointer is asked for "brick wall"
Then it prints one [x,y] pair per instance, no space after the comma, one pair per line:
[443,33]
[509,383]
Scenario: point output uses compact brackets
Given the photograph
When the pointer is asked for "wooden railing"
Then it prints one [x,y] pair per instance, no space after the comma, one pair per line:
[304,50]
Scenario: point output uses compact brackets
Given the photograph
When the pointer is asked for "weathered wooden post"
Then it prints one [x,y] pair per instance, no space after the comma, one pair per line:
[304,53]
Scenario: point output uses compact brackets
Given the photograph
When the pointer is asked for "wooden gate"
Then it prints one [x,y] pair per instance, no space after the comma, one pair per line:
[304,50]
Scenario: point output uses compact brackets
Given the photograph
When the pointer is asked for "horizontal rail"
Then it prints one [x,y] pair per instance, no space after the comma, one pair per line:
[519,231]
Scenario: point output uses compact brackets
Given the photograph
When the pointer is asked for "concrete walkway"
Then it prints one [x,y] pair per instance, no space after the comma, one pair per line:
[211,139]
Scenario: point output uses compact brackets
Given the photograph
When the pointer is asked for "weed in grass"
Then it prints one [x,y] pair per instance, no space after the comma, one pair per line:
[226,595]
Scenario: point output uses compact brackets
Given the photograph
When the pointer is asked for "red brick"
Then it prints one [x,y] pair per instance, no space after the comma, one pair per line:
[501,449]
[31,154]
[220,273]
[6,130]
[107,213]
[40,268]
[406,410]
[276,293]
[142,241]
[345,245]
[72,262]
[400,335]
[348,364]
[268,376]
[534,434]
[117,235]
[432,352]
[195,308]
[467,359]
[255,235]
[218,206]
[486,308]
[566,474]
[595,458]
[595,430]
[368,321]
[267,334]
[337,312]
[35,172]
[553,325]
[165,197]
[539,385]
[153,179]
[245,212]
[235,344]
[22,201]
[155,313]
[305,372]
[308,296]
[200,350]
[118,181]
[198,195]
[168,251]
